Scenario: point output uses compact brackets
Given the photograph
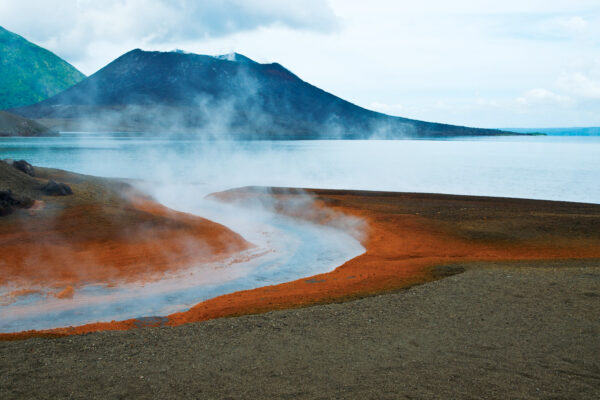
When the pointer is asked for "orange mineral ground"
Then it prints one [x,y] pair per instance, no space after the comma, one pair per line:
[407,237]
[105,232]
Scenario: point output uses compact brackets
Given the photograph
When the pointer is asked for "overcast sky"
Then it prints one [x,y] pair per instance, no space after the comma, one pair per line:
[509,63]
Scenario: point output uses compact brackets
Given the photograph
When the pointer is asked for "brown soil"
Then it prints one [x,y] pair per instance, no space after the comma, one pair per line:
[497,331]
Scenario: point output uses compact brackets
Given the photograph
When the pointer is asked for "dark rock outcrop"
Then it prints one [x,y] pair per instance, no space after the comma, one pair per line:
[8,202]
[53,188]
[24,166]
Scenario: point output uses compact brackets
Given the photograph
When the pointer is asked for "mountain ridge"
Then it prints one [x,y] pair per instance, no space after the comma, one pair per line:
[229,95]
[29,73]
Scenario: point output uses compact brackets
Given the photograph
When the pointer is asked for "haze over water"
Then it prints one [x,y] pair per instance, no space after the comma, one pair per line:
[551,168]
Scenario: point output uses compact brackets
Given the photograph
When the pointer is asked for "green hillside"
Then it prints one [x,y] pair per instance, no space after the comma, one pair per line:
[29,73]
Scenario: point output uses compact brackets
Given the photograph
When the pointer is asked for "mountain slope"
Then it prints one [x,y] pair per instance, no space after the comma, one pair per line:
[15,125]
[29,73]
[227,95]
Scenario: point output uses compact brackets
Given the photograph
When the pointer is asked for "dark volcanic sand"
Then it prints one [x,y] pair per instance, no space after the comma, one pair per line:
[502,329]
[498,330]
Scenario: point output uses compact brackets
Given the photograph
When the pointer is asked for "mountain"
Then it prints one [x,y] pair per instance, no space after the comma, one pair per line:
[15,125]
[222,96]
[29,73]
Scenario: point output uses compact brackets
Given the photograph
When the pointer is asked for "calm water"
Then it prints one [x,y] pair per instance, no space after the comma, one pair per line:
[554,168]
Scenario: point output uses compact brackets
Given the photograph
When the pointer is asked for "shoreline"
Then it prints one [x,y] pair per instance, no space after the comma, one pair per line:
[495,331]
[409,236]
[103,233]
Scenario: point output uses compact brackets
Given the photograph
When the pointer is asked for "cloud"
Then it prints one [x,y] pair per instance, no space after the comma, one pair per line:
[463,62]
[574,24]
[213,18]
[74,28]
[584,84]
[540,96]
[544,26]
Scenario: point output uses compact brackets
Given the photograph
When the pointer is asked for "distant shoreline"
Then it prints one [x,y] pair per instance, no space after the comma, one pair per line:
[565,131]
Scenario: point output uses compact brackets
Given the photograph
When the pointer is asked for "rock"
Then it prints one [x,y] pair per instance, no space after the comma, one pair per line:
[8,202]
[24,166]
[53,188]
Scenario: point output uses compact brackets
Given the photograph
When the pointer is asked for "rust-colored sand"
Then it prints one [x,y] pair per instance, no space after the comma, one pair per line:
[410,234]
[87,244]
[406,236]
[104,233]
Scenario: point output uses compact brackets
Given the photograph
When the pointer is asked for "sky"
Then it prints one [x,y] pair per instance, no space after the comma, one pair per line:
[495,64]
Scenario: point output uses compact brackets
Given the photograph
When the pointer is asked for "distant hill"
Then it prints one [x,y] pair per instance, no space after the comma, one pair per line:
[29,73]
[15,125]
[222,96]
[588,131]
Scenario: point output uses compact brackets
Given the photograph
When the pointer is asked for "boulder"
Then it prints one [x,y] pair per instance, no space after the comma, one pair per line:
[24,166]
[53,188]
[8,202]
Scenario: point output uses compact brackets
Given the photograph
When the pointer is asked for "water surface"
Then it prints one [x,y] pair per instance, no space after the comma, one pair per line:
[550,167]
[180,172]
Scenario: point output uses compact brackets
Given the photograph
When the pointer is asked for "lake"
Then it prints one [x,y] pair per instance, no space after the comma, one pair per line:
[539,167]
